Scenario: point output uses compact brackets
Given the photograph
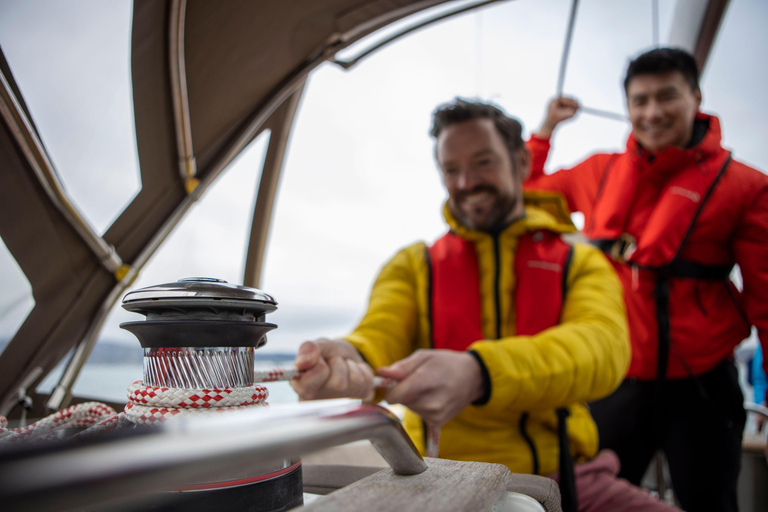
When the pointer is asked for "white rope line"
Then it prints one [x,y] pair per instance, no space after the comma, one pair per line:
[77,416]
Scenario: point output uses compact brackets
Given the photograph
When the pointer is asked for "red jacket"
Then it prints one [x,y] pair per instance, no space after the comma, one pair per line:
[655,199]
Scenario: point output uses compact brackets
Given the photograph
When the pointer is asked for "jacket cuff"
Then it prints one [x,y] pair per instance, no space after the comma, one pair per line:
[535,139]
[486,380]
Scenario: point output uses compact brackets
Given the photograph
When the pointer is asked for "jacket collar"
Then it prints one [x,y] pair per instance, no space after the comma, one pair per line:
[534,219]
[673,157]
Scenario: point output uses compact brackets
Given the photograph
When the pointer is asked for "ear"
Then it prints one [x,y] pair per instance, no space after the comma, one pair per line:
[697,95]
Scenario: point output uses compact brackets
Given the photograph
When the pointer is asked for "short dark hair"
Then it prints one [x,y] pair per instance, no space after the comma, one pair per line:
[664,60]
[460,110]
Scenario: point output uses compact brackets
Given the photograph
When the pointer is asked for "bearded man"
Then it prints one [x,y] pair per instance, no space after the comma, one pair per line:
[500,331]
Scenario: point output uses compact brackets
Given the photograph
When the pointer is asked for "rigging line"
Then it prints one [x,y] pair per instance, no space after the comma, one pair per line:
[566,49]
[655,22]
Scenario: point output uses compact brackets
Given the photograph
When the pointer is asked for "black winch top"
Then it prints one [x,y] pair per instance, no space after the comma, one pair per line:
[200,312]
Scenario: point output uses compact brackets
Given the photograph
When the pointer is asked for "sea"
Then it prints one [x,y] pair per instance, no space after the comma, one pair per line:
[108,382]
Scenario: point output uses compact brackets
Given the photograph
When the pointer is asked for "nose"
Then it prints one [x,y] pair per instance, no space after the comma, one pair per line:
[466,180]
[653,111]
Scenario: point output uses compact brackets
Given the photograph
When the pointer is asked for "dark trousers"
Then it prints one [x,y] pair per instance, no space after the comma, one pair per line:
[697,422]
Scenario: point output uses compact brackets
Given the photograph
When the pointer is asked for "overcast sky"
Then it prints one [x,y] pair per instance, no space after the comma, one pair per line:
[359,180]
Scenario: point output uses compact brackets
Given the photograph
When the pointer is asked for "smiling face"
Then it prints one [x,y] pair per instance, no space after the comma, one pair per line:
[662,108]
[484,191]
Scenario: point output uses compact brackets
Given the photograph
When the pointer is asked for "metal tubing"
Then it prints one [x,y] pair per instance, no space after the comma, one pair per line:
[61,395]
[566,49]
[187,162]
[185,449]
[603,113]
[757,409]
[38,159]
[346,64]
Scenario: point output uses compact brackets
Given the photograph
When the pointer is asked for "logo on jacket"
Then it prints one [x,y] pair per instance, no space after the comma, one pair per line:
[690,194]
[545,265]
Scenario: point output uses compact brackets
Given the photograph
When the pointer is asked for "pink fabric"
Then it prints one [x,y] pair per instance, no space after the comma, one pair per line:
[598,489]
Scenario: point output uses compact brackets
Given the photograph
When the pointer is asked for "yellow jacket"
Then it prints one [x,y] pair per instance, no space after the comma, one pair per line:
[582,359]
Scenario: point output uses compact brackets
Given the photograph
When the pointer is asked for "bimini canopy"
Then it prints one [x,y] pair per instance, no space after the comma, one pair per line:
[207,78]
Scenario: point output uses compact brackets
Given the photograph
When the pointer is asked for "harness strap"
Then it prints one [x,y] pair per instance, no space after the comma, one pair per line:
[567,484]
[682,269]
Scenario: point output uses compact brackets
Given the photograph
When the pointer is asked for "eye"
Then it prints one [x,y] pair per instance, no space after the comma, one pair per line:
[667,96]
[448,171]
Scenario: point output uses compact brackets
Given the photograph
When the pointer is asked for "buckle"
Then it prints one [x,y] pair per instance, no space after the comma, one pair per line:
[623,248]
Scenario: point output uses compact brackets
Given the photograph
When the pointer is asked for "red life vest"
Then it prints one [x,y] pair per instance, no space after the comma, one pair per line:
[540,264]
[541,267]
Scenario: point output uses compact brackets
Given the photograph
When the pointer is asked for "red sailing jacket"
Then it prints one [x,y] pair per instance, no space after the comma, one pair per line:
[655,199]
[456,310]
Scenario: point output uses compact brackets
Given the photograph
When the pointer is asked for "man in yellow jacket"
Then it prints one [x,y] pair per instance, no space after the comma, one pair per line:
[497,332]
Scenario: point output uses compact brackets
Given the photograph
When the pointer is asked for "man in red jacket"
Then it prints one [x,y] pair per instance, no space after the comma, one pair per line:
[674,212]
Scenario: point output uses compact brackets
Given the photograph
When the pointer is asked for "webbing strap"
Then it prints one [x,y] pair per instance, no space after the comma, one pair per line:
[681,269]
[568,497]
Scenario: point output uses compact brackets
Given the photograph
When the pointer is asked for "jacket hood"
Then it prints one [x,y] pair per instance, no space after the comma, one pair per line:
[543,210]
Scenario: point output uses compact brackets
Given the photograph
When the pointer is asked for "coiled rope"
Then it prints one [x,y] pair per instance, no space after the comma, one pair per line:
[150,405]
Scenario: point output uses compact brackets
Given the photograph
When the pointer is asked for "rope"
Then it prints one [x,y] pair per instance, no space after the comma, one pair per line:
[75,416]
[150,405]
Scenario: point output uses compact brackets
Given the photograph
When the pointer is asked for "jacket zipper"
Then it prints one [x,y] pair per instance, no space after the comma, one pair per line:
[497,278]
[497,297]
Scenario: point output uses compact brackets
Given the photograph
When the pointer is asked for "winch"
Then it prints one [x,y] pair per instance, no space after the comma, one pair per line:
[199,339]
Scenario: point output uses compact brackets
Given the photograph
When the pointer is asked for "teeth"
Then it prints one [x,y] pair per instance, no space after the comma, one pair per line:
[477,198]
[655,129]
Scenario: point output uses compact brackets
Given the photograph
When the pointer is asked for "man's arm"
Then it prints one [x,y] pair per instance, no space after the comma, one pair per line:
[579,184]
[582,359]
[387,333]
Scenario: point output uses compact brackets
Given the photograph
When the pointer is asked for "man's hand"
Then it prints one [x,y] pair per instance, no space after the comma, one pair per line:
[558,111]
[332,369]
[435,384]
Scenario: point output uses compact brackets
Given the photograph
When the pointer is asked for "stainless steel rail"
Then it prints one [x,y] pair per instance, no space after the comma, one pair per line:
[348,63]
[757,409]
[163,458]
[183,126]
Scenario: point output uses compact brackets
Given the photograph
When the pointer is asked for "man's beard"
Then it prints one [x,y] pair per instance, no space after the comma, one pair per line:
[495,219]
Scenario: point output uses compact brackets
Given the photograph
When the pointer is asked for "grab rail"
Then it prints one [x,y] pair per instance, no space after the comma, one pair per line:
[147,460]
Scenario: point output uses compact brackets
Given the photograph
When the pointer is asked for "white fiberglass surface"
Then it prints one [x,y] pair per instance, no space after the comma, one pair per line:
[71,61]
[16,300]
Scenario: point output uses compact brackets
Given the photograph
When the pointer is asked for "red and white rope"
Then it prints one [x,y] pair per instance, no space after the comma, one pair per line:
[149,405]
[80,415]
